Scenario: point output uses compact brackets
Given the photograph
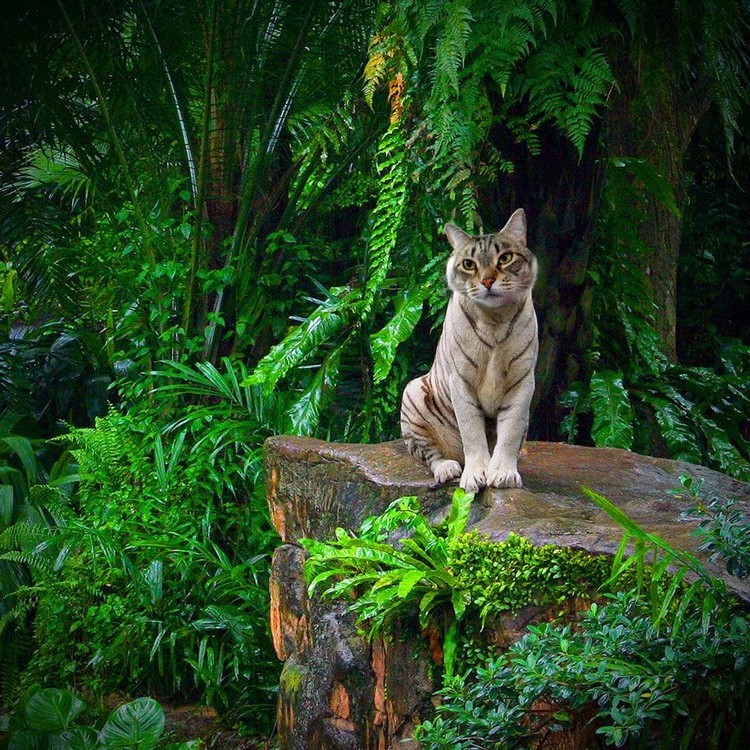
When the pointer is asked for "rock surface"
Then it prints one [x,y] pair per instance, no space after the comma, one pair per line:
[338,692]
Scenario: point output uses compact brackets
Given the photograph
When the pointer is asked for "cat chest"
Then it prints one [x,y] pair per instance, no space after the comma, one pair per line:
[492,380]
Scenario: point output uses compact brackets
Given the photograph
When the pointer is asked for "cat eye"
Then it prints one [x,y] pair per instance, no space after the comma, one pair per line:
[468,264]
[505,258]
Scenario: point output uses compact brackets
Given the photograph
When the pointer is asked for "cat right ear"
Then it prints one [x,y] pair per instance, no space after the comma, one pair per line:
[457,237]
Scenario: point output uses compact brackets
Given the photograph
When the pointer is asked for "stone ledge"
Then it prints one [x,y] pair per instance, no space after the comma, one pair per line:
[339,692]
[314,486]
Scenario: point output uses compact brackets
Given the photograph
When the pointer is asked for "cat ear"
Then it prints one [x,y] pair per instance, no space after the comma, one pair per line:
[456,236]
[516,226]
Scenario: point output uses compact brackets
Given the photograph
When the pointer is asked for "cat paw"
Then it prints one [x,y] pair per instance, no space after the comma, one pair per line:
[473,479]
[503,478]
[446,470]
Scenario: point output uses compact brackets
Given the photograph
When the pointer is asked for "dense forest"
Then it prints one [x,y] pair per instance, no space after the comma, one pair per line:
[223,219]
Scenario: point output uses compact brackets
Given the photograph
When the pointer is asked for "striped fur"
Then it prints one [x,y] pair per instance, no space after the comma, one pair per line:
[469,414]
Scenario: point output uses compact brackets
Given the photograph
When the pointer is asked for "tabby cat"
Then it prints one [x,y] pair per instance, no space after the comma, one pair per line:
[469,415]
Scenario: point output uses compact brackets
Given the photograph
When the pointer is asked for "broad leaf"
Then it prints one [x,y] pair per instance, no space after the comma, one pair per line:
[408,582]
[29,739]
[53,709]
[304,415]
[81,738]
[136,726]
[459,515]
[384,343]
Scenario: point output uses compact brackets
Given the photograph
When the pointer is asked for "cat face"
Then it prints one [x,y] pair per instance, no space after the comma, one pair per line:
[492,270]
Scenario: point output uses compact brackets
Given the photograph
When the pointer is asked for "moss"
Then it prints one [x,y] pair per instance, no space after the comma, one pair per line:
[507,576]
[291,679]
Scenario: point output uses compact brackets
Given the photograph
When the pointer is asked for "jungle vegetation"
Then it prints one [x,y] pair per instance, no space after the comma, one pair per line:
[222,219]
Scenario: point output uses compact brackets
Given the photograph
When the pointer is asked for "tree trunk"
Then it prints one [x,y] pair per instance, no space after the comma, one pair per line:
[653,118]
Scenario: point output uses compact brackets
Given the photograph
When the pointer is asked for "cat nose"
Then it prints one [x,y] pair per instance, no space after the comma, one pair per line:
[488,282]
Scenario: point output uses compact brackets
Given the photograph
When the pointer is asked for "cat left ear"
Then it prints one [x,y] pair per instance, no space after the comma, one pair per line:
[456,236]
[516,226]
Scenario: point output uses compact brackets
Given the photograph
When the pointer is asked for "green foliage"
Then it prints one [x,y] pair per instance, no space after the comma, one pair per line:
[637,685]
[691,413]
[663,665]
[152,581]
[502,577]
[613,415]
[28,511]
[441,572]
[46,718]
[177,186]
[723,527]
[391,581]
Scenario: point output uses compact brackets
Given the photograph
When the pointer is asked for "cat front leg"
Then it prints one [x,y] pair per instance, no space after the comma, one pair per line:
[471,427]
[512,424]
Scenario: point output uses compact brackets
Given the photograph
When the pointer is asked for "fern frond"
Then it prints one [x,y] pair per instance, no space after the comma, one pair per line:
[613,413]
[676,427]
[450,50]
[329,318]
[388,213]
[384,343]
[304,415]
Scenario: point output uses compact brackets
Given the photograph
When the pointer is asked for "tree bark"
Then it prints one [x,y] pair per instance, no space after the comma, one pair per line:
[654,118]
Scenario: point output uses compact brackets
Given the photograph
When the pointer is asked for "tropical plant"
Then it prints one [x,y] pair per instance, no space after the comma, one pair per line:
[635,397]
[401,565]
[723,527]
[51,717]
[391,581]
[198,169]
[35,484]
[150,579]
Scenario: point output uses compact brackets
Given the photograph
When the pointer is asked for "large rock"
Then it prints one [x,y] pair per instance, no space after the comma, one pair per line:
[338,692]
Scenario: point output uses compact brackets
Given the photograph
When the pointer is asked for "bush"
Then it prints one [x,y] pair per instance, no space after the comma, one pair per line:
[153,583]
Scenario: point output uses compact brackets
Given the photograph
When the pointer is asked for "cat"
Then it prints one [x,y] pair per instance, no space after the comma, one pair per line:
[468,416]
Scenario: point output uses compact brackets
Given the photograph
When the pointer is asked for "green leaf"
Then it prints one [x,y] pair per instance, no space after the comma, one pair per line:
[654,183]
[29,739]
[450,646]
[329,318]
[384,343]
[304,415]
[459,514]
[458,600]
[388,214]
[136,726]
[408,582]
[24,449]
[613,414]
[53,709]
[676,428]
[81,738]
[6,505]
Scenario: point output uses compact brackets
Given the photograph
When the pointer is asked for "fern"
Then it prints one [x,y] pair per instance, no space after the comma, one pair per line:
[383,344]
[305,414]
[450,49]
[388,213]
[613,414]
[326,320]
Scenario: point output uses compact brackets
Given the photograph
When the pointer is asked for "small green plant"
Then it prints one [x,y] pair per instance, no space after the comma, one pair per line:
[441,572]
[150,580]
[392,580]
[723,526]
[50,719]
[507,576]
